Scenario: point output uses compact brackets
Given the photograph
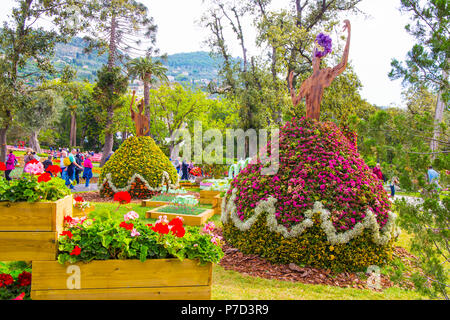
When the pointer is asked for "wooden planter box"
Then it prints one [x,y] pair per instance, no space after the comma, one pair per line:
[190,220]
[81,213]
[217,204]
[29,231]
[153,204]
[188,184]
[158,279]
[207,196]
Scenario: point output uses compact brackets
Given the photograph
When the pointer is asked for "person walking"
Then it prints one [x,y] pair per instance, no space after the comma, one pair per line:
[62,165]
[184,170]
[393,182]
[377,171]
[11,162]
[87,172]
[79,160]
[27,158]
[433,177]
[47,163]
[71,164]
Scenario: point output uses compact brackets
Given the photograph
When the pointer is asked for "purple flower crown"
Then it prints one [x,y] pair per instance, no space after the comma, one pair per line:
[324,41]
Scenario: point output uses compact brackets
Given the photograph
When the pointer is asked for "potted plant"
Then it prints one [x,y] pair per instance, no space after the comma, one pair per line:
[128,259]
[32,210]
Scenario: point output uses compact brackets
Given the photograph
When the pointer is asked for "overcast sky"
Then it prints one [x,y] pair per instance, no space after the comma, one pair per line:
[375,41]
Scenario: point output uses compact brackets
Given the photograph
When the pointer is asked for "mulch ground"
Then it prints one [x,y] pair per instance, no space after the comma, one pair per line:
[256,266]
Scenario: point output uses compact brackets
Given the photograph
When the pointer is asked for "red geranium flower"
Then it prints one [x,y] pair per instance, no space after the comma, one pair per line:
[122,197]
[24,279]
[54,169]
[128,226]
[33,161]
[6,279]
[178,231]
[78,199]
[68,219]
[76,251]
[161,228]
[45,177]
[20,296]
[67,233]
[2,166]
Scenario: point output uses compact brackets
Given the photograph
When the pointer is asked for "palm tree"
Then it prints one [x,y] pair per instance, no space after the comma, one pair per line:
[144,68]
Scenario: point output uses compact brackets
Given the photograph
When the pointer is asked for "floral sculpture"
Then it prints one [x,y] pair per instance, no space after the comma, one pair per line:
[324,207]
[138,167]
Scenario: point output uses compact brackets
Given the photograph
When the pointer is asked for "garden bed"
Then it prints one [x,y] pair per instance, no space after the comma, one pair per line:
[188,219]
[29,231]
[217,204]
[158,279]
[207,196]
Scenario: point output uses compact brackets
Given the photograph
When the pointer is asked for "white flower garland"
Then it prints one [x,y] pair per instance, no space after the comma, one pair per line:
[165,179]
[369,222]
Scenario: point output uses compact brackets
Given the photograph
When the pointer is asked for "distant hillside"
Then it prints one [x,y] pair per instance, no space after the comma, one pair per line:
[194,67]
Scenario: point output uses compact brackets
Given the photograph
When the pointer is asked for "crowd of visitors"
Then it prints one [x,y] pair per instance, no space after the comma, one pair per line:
[184,169]
[73,163]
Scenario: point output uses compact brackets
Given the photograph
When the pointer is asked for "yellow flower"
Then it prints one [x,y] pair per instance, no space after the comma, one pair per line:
[331,257]
[331,248]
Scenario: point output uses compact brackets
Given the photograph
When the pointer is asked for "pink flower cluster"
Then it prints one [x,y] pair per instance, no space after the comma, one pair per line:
[35,168]
[317,163]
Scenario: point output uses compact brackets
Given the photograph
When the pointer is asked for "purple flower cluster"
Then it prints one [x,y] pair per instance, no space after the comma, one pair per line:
[325,42]
[317,163]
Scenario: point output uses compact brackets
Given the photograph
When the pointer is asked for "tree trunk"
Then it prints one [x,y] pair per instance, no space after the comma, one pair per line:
[147,80]
[109,135]
[73,130]
[438,116]
[34,142]
[3,148]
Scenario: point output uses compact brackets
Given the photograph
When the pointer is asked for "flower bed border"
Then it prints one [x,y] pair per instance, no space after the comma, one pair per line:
[165,179]
[217,204]
[29,231]
[190,220]
[229,212]
[207,196]
[154,279]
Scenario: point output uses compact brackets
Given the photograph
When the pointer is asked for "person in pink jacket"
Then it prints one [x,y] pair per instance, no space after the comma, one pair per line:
[10,164]
[87,172]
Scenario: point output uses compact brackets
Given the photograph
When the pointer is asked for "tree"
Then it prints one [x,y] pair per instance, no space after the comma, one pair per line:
[175,108]
[144,68]
[38,113]
[21,42]
[119,28]
[428,223]
[428,62]
[259,83]
[108,94]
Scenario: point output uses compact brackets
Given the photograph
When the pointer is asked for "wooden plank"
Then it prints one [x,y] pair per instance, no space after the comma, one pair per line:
[50,275]
[189,220]
[28,246]
[153,204]
[81,213]
[217,204]
[64,207]
[38,216]
[163,293]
